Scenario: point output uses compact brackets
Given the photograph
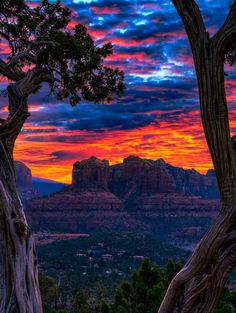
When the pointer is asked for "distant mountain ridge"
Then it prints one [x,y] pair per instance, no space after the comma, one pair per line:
[46,186]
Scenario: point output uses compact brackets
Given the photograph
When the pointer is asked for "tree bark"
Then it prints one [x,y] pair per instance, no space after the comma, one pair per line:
[197,287]
[19,286]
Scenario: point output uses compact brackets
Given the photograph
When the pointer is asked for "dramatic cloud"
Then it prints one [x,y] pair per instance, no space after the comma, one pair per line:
[158,115]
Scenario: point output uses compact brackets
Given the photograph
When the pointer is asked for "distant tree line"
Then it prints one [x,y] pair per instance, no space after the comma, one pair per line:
[143,294]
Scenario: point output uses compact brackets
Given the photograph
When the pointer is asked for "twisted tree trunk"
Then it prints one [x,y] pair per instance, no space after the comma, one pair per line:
[19,287]
[197,287]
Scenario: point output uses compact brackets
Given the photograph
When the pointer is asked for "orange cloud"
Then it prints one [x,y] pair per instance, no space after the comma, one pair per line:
[180,142]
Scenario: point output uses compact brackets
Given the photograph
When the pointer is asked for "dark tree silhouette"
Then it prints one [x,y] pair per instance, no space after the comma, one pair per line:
[41,50]
[197,287]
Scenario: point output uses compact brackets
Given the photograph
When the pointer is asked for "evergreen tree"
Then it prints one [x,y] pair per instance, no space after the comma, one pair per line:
[81,302]
[49,292]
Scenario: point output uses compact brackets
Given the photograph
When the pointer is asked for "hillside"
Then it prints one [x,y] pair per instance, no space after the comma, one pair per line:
[138,195]
[102,260]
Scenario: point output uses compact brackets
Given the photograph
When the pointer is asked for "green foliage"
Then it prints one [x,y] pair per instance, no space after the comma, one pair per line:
[81,302]
[142,294]
[41,38]
[103,307]
[82,272]
[49,292]
[227,303]
[172,269]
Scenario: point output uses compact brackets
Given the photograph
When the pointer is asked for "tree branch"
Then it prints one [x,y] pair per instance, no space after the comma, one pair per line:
[226,35]
[27,54]
[18,94]
[9,73]
[23,55]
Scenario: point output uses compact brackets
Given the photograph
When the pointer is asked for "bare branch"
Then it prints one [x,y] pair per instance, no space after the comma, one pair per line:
[10,73]
[226,35]
[7,37]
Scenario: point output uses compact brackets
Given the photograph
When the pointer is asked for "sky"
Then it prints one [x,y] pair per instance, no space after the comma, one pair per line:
[158,114]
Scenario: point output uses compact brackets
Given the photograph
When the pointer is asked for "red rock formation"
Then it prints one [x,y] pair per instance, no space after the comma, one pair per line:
[139,176]
[73,198]
[87,194]
[23,175]
[24,181]
[91,173]
[137,195]
[190,182]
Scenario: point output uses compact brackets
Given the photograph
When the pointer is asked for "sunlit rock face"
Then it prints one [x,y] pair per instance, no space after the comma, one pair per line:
[144,195]
[136,176]
[91,173]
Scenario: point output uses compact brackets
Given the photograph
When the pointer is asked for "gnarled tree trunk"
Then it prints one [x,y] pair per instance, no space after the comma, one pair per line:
[197,287]
[19,287]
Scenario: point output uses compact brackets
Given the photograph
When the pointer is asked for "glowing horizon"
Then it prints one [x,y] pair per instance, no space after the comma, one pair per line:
[158,115]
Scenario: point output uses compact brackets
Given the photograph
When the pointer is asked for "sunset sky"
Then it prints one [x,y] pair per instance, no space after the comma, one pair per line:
[157,116]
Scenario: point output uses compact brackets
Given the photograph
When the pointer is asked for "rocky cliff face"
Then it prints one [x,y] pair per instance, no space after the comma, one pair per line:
[87,193]
[137,195]
[136,176]
[24,181]
[190,182]
[91,173]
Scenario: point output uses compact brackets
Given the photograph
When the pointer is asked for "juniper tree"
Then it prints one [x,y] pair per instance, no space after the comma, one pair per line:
[197,287]
[41,49]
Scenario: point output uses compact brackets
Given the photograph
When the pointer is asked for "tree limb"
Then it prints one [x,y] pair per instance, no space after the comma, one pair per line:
[227,33]
[23,55]
[27,54]
[18,94]
[9,73]
[204,256]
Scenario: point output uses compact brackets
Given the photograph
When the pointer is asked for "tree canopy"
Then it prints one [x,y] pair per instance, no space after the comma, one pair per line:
[143,293]
[40,38]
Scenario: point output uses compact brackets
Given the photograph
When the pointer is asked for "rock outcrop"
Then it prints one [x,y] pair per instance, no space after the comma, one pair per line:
[91,173]
[190,182]
[137,195]
[24,181]
[87,195]
[136,176]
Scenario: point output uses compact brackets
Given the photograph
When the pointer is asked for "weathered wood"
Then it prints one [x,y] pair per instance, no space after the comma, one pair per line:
[19,287]
[197,287]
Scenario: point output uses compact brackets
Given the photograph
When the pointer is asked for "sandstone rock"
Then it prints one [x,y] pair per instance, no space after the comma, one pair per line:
[190,182]
[23,175]
[24,181]
[91,173]
[139,176]
[137,195]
